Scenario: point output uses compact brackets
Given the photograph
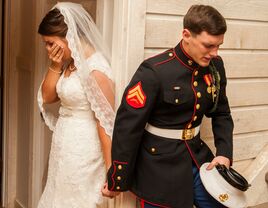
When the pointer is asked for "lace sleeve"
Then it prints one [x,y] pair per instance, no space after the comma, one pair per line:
[100,93]
[47,114]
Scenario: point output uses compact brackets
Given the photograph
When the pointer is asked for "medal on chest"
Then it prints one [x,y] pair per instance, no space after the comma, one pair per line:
[211,88]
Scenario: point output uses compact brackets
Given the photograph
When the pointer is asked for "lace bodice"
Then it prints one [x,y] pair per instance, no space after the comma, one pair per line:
[84,92]
[71,94]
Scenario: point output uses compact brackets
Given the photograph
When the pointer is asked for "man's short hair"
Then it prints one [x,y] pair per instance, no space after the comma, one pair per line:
[201,18]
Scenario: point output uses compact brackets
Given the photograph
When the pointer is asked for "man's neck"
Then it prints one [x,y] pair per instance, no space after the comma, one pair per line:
[186,48]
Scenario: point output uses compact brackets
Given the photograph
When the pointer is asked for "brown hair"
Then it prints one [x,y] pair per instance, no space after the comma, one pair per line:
[53,24]
[204,18]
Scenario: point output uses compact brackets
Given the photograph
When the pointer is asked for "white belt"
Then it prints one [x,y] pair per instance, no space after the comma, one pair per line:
[66,112]
[182,134]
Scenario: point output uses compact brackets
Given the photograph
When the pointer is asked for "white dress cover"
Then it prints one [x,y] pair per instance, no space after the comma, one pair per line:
[76,171]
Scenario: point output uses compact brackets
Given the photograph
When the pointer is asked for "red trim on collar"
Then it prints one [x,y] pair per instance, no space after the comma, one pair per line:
[182,61]
[162,62]
[185,53]
[159,54]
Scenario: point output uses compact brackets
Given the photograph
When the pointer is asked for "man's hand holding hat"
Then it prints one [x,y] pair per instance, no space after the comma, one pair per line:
[219,160]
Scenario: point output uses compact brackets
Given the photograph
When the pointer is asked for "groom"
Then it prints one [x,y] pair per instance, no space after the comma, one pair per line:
[156,148]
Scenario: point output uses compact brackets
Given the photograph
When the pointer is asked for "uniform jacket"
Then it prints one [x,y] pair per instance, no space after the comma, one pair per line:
[168,91]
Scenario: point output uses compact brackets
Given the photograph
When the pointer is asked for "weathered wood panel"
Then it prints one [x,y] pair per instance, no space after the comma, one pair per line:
[247,92]
[253,10]
[244,64]
[246,146]
[164,32]
[242,165]
[238,63]
[246,120]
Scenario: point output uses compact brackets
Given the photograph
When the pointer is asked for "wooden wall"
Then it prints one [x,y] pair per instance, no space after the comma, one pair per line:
[245,52]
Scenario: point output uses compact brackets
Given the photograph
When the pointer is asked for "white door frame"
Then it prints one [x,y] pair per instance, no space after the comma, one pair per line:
[128,41]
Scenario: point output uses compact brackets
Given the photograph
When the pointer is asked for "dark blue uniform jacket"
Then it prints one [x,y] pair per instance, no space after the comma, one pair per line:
[168,91]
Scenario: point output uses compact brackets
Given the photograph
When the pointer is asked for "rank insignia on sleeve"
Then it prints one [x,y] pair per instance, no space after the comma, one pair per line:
[135,97]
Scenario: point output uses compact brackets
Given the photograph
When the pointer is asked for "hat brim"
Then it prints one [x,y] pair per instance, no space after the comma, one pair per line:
[220,189]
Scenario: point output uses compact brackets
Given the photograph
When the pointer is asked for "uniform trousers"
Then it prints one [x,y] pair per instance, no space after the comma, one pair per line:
[202,199]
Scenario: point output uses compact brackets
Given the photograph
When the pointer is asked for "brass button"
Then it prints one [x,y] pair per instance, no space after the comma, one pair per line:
[117,187]
[197,106]
[177,100]
[170,54]
[118,178]
[196,73]
[119,167]
[198,94]
[209,90]
[152,149]
[190,62]
[195,117]
[195,83]
[189,126]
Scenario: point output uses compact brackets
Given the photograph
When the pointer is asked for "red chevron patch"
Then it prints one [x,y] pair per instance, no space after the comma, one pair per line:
[136,98]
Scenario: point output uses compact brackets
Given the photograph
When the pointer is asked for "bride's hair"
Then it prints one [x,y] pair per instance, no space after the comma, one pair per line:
[53,24]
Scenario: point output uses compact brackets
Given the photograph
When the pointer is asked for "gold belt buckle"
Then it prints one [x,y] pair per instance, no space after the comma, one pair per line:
[188,134]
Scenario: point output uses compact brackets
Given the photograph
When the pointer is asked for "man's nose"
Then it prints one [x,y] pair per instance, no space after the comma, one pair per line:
[214,52]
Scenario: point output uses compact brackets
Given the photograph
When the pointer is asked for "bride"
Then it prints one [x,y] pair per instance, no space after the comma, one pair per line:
[80,77]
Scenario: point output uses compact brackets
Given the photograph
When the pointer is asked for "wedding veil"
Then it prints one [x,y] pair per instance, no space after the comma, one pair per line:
[93,69]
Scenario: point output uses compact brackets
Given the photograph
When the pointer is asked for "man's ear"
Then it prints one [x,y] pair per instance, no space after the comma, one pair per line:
[186,35]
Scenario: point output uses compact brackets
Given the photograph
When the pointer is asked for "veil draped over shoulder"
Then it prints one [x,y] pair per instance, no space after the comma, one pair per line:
[93,69]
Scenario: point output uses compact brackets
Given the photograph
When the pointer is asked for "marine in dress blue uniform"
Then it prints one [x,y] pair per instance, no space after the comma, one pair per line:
[168,91]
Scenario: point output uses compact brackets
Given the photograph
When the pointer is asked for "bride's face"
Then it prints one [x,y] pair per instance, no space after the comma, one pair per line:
[62,42]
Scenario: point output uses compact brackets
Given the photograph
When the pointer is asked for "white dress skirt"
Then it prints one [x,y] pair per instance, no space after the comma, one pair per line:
[76,171]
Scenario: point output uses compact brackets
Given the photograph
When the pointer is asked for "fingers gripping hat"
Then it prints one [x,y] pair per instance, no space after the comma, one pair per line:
[225,185]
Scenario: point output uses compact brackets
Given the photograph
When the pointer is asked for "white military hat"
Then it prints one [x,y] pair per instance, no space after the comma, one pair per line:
[218,187]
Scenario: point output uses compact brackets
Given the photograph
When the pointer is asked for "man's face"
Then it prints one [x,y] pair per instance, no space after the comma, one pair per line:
[202,47]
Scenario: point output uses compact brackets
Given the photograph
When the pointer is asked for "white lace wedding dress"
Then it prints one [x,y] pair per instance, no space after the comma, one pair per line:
[76,170]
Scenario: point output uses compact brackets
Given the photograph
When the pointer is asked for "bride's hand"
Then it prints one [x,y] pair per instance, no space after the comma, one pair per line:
[107,193]
[55,54]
